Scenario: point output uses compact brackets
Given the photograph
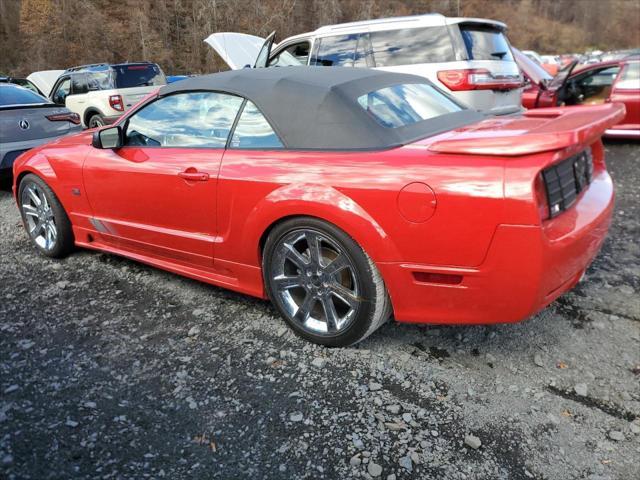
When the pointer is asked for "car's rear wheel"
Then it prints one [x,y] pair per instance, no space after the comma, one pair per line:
[324,285]
[44,218]
[96,120]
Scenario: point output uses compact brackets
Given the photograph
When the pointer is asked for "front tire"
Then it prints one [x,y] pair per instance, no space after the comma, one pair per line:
[44,218]
[323,284]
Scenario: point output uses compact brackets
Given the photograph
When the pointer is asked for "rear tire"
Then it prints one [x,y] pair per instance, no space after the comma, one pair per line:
[44,218]
[96,120]
[323,284]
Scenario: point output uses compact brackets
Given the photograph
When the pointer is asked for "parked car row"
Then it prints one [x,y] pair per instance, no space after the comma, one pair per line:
[315,178]
[616,81]
[468,58]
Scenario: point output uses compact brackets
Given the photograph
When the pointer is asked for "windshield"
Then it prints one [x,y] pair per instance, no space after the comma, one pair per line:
[147,75]
[405,104]
[484,42]
[15,95]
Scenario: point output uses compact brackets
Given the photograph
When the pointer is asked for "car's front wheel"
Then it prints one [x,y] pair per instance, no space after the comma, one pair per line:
[322,282]
[44,217]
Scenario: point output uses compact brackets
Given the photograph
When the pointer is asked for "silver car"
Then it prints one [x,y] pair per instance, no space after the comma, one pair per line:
[469,58]
[28,120]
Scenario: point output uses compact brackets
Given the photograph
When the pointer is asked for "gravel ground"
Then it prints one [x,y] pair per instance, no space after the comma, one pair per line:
[111,369]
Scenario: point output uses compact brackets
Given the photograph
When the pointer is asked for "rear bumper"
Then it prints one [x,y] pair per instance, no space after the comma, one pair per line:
[9,151]
[526,268]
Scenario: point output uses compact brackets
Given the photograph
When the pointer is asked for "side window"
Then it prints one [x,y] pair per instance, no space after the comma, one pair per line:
[411,46]
[630,78]
[79,84]
[62,91]
[253,130]
[99,81]
[601,78]
[194,119]
[291,56]
[338,51]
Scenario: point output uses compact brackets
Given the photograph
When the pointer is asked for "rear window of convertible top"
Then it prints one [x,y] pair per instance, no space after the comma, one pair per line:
[405,104]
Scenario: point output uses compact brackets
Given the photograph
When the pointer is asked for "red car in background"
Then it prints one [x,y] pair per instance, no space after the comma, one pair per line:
[341,194]
[617,81]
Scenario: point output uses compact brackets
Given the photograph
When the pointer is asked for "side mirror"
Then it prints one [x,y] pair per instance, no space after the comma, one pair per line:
[110,137]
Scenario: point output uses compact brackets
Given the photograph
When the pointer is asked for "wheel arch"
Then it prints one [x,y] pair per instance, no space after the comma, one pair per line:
[322,203]
[88,113]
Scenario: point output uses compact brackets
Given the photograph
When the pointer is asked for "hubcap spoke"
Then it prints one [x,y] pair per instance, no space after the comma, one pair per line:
[29,210]
[284,282]
[304,311]
[344,294]
[313,241]
[34,196]
[294,256]
[339,263]
[331,314]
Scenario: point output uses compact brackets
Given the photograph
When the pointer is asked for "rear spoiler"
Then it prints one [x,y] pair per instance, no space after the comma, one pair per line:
[534,131]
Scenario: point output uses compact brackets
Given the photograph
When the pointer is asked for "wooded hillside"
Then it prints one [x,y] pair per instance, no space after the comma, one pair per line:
[46,34]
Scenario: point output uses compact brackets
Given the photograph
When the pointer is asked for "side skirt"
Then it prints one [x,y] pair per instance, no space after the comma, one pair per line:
[238,277]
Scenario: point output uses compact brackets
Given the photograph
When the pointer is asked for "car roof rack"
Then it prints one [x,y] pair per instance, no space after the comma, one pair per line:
[86,67]
[103,64]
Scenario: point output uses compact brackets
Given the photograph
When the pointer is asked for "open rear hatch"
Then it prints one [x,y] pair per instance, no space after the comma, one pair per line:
[533,131]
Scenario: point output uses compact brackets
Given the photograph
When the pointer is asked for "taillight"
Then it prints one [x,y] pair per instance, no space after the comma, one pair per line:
[65,117]
[116,102]
[477,79]
[541,197]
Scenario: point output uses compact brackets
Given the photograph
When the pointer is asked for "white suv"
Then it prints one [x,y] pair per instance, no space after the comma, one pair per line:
[467,57]
[101,93]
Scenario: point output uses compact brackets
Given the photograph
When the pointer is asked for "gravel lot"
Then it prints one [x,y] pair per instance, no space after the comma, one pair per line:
[111,369]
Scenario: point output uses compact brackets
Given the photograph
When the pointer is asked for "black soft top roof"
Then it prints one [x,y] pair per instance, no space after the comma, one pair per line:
[316,107]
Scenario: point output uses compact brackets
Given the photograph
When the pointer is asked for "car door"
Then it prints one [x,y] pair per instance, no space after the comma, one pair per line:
[61,90]
[76,101]
[156,195]
[626,89]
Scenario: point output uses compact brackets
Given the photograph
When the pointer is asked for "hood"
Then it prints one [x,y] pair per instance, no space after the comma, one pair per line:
[45,80]
[531,69]
[238,50]
[534,131]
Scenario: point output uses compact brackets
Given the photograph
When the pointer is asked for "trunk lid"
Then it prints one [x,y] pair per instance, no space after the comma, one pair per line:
[238,50]
[30,123]
[534,131]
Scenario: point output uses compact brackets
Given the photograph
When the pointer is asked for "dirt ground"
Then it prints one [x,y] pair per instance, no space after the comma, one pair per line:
[114,370]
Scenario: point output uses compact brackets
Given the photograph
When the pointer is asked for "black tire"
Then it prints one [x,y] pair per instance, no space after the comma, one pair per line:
[374,307]
[96,120]
[64,241]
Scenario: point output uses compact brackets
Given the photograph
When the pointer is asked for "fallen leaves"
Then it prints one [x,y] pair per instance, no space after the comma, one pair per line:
[206,440]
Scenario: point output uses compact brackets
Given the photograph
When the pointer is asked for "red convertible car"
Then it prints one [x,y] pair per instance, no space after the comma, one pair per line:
[343,195]
[608,82]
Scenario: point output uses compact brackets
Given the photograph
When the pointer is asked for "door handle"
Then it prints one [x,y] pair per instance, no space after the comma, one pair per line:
[192,175]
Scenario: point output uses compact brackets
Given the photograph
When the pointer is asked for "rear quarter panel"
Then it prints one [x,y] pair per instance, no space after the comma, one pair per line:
[358,192]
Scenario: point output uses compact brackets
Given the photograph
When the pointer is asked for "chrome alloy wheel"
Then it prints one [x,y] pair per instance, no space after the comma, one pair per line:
[38,215]
[315,282]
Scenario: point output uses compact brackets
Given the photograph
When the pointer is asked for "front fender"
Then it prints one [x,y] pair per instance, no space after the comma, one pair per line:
[323,202]
[37,163]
